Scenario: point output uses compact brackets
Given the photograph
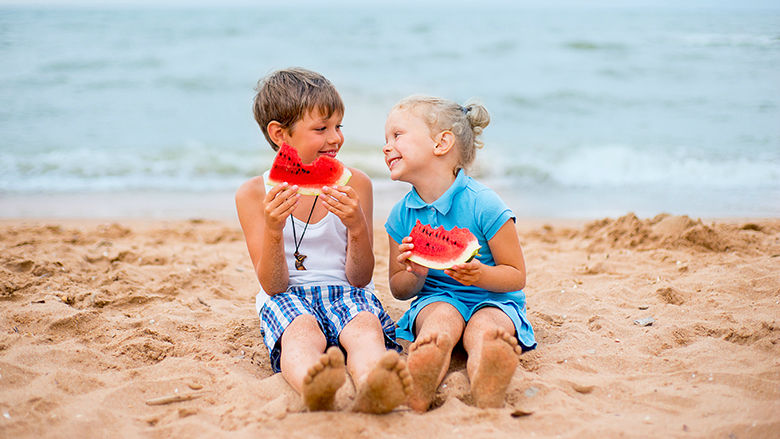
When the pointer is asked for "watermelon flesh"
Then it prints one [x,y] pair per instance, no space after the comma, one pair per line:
[287,167]
[440,249]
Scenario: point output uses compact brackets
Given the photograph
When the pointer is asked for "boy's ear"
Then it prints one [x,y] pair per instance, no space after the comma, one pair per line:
[275,132]
[445,142]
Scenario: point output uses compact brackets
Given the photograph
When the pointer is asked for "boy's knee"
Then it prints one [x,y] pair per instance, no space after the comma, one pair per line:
[305,326]
[364,320]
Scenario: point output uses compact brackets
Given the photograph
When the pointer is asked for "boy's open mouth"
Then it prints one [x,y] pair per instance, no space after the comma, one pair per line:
[391,162]
[330,153]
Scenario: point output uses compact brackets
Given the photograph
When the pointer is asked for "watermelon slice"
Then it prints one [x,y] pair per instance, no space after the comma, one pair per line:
[440,249]
[325,171]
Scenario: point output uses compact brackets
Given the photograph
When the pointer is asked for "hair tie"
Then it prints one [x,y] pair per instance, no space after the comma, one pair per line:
[465,110]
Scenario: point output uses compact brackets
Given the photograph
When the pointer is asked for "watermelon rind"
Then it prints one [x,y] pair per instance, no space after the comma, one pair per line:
[471,251]
[310,189]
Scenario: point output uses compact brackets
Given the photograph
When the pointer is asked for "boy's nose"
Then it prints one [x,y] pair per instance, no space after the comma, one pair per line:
[334,137]
[386,148]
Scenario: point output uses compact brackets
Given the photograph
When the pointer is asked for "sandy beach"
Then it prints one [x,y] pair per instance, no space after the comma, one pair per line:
[647,327]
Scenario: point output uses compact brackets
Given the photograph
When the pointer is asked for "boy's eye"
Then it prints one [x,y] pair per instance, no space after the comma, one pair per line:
[338,127]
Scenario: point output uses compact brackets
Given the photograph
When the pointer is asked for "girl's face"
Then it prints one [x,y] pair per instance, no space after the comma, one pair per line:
[408,145]
[315,135]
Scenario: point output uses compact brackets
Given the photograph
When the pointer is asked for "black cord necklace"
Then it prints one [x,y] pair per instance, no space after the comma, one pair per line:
[299,257]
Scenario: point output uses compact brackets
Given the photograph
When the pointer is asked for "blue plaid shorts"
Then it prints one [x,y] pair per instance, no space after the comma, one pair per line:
[333,306]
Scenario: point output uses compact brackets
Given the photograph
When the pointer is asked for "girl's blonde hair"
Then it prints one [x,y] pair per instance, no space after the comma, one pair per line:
[466,122]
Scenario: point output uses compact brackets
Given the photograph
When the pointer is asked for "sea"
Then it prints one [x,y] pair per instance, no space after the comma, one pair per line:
[597,108]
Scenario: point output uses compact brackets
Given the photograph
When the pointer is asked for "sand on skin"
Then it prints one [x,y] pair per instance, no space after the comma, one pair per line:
[96,318]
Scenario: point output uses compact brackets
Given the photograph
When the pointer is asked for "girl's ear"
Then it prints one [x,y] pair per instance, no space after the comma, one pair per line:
[445,143]
[276,132]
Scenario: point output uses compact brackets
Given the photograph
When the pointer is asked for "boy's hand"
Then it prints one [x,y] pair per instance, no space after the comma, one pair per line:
[279,204]
[344,202]
[404,252]
[468,274]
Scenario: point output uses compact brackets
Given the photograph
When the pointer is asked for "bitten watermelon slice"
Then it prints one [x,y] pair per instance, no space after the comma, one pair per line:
[325,171]
[440,249]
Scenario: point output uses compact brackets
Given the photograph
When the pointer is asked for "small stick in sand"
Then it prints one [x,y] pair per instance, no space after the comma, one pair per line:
[174,398]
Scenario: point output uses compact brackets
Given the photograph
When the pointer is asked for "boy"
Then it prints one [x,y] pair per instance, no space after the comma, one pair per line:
[311,311]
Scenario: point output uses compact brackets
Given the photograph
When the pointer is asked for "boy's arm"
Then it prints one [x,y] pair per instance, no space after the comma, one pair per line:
[354,205]
[509,272]
[406,277]
[262,218]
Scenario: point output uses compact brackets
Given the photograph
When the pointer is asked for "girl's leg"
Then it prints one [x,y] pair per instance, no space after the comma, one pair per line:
[492,355]
[314,375]
[439,327]
[380,376]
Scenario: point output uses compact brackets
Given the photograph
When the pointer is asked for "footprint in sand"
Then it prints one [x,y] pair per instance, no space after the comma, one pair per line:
[494,368]
[323,380]
[385,387]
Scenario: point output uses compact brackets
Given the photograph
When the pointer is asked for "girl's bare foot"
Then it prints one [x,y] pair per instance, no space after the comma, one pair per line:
[495,366]
[323,380]
[428,356]
[385,387]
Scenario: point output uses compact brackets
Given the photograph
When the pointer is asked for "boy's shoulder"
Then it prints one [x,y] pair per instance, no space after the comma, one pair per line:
[252,188]
[358,175]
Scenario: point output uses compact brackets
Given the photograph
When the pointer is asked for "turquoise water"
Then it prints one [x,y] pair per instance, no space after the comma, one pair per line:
[598,110]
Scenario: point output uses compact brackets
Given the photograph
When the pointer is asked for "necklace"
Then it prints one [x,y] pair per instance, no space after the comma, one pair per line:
[299,257]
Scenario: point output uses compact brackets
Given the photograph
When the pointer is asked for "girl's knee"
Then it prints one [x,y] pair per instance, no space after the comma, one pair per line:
[440,317]
[490,318]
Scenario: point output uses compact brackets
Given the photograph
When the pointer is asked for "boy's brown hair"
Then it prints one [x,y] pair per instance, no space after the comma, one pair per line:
[287,95]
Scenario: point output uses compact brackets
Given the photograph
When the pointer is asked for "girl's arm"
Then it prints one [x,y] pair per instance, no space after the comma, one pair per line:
[509,272]
[354,205]
[406,277]
[262,217]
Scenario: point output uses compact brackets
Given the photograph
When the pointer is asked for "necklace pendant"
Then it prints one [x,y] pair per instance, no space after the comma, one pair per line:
[299,261]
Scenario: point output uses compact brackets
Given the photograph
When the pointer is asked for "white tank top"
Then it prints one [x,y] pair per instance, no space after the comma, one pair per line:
[325,247]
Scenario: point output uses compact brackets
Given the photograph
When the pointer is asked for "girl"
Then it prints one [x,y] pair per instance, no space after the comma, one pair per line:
[429,143]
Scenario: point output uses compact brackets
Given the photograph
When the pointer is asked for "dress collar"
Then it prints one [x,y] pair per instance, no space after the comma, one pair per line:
[443,204]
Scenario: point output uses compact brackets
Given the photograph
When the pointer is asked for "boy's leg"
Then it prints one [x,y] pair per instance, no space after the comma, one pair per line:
[493,353]
[380,376]
[315,375]
[439,327]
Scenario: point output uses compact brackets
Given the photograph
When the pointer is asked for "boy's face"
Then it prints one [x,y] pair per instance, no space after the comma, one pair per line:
[408,144]
[315,135]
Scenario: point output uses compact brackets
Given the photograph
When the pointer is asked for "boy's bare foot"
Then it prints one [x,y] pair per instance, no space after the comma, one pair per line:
[323,380]
[386,386]
[494,368]
[427,358]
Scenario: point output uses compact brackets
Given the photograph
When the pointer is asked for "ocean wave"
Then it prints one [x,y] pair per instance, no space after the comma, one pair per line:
[621,165]
[200,167]
[585,45]
[761,41]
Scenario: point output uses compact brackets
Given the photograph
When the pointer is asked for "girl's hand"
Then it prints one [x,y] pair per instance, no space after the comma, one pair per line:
[404,251]
[279,204]
[468,274]
[344,202]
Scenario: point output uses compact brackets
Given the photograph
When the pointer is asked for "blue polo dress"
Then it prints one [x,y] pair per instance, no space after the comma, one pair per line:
[467,203]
